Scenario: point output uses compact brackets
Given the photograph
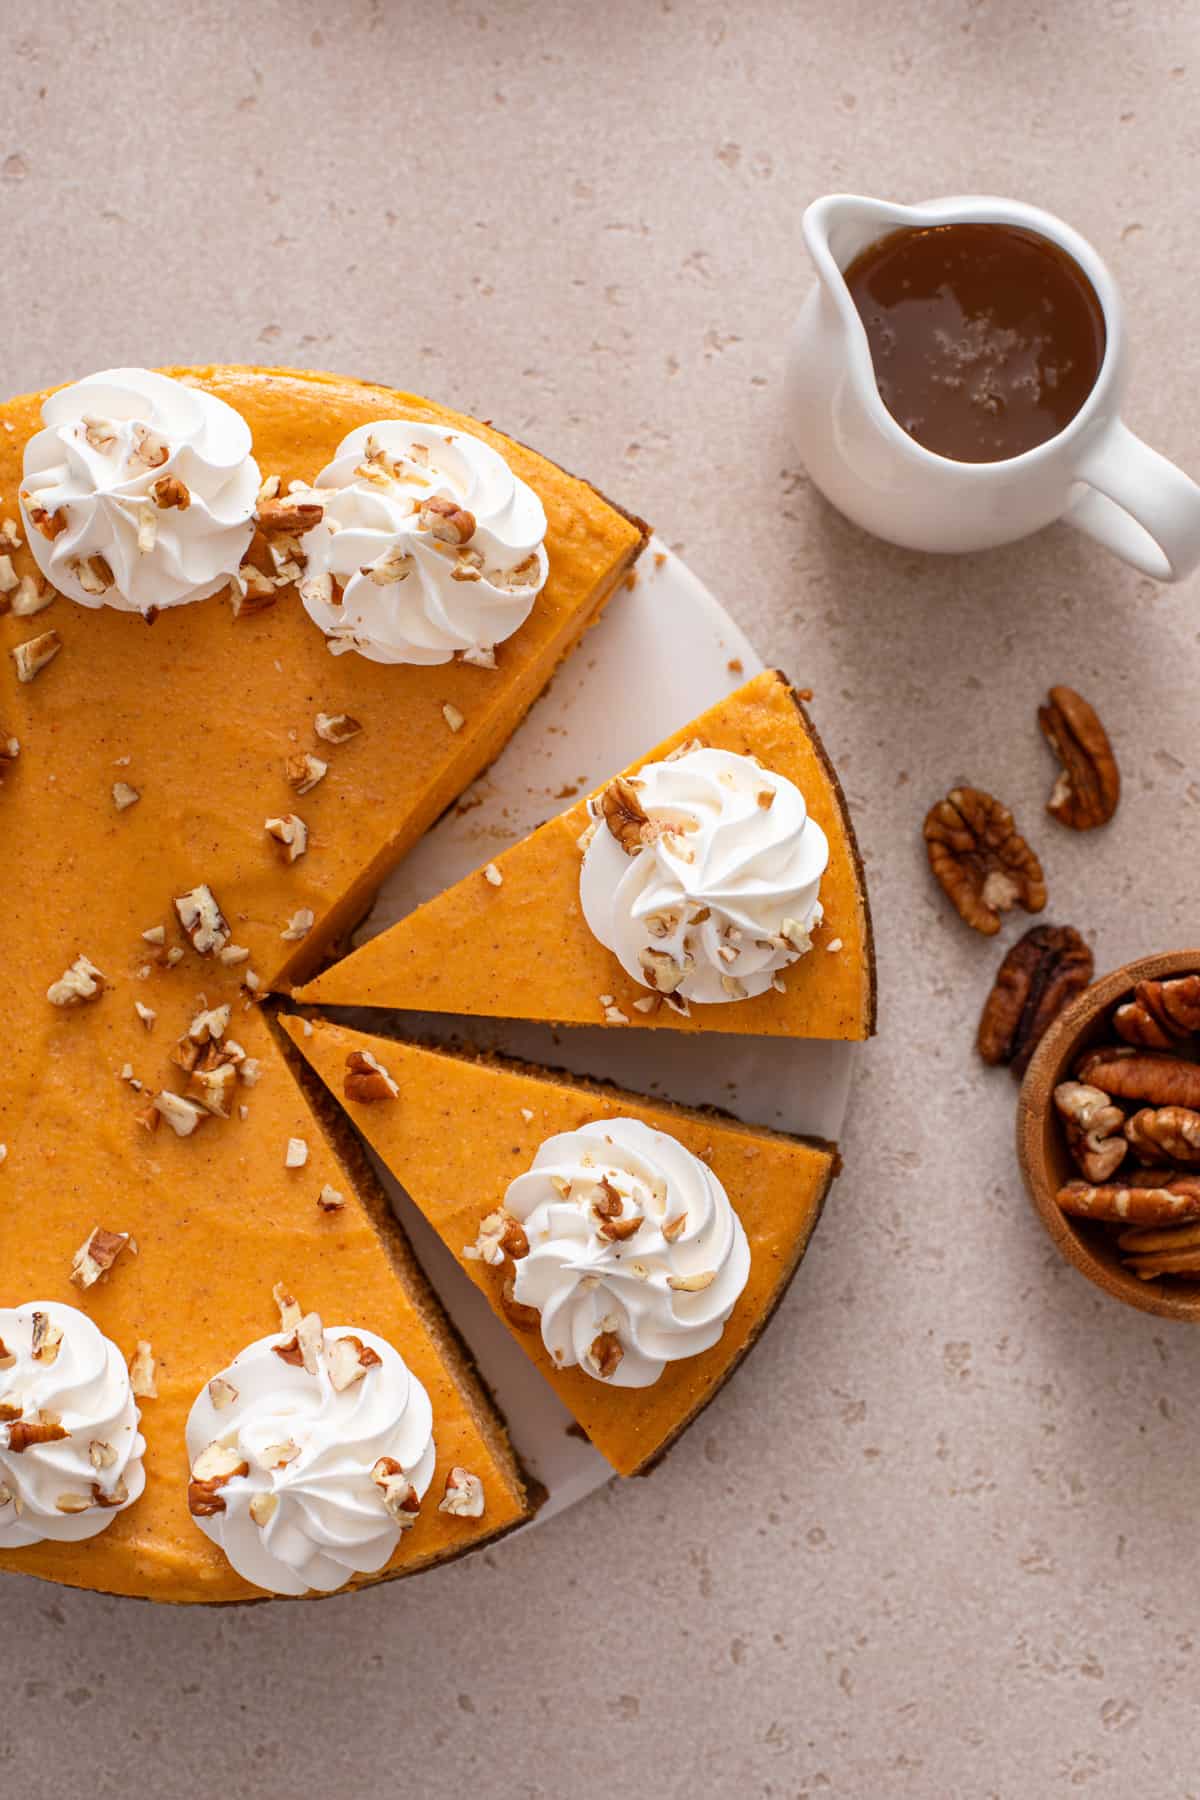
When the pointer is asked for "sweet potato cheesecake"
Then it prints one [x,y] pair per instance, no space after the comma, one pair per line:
[259,628]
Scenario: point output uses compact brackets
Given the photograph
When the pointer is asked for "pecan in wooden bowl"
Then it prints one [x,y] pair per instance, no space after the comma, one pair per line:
[1108,1133]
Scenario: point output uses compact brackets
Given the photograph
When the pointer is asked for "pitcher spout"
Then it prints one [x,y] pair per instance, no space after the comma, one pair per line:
[838,226]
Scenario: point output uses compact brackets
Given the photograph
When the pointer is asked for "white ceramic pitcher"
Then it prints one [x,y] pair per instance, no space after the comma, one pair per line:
[1095,473]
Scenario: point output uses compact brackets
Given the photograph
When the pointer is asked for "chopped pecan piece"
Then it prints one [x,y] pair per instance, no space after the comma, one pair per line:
[624,814]
[111,1497]
[214,1088]
[81,982]
[446,520]
[500,1235]
[143,1371]
[1088,790]
[336,728]
[608,1203]
[169,491]
[97,1255]
[1166,1134]
[291,834]
[72,1503]
[347,1359]
[205,1499]
[1176,1197]
[184,1116]
[1163,1015]
[149,447]
[400,1499]
[366,1078]
[1094,1128]
[32,656]
[46,1340]
[294,516]
[980,860]
[263,1507]
[303,1349]
[692,1284]
[203,920]
[1151,1076]
[48,523]
[23,1434]
[605,1353]
[525,1318]
[616,1231]
[463,1496]
[304,770]
[31,596]
[290,1310]
[661,971]
[1042,973]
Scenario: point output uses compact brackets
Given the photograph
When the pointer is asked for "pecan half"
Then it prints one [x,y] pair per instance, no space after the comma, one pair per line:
[624,814]
[1166,1134]
[1151,1076]
[1042,973]
[1176,1198]
[1151,1251]
[980,860]
[1163,1015]
[1094,1128]
[1088,789]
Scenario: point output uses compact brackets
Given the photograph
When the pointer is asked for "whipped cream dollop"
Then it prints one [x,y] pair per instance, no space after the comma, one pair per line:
[309,1455]
[701,874]
[636,1257]
[70,1449]
[429,545]
[139,492]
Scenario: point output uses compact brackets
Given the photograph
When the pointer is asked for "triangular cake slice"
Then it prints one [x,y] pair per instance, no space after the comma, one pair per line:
[456,1129]
[511,940]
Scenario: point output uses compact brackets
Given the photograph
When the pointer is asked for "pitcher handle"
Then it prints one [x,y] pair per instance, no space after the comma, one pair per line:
[1139,505]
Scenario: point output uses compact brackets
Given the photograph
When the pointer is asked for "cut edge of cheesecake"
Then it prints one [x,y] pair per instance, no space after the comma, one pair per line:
[420,964]
[349,1151]
[366,1120]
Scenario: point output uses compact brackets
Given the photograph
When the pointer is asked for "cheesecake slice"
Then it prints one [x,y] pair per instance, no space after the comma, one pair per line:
[515,939]
[457,1131]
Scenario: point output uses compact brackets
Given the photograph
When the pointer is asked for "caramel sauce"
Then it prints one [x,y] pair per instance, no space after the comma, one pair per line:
[986,339]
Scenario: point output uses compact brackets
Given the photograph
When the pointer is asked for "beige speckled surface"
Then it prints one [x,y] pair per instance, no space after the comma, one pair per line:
[938,1537]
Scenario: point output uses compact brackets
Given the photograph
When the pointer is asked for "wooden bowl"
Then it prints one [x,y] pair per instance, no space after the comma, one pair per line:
[1046,1163]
